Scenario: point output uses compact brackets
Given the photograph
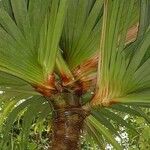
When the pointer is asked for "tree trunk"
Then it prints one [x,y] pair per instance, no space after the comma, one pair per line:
[68,119]
[67,126]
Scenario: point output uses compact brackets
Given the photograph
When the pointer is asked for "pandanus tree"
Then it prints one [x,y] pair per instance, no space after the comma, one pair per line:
[83,62]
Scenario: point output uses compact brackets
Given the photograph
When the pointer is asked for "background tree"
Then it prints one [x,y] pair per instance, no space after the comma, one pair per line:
[76,62]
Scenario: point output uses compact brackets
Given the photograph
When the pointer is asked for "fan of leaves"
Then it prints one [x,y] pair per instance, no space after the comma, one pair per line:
[86,41]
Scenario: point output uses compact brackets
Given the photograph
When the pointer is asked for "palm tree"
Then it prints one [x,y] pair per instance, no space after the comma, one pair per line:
[78,61]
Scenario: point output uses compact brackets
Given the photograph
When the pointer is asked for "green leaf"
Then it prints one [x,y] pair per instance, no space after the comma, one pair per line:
[92,134]
[137,97]
[52,31]
[100,128]
[119,76]
[144,17]
[13,116]
[81,31]
[102,118]
[117,119]
[37,10]
[7,6]
[9,83]
[28,117]
[128,110]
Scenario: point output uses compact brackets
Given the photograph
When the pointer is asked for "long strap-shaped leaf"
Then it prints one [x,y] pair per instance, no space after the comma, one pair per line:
[22,19]
[14,114]
[37,10]
[7,6]
[30,114]
[105,121]
[119,77]
[144,17]
[93,135]
[101,129]
[112,43]
[81,31]
[55,20]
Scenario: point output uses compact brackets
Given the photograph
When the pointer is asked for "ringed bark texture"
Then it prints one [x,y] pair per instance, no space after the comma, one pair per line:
[67,127]
[68,119]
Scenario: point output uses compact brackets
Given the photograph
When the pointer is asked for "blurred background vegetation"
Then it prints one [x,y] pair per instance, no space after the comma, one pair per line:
[39,135]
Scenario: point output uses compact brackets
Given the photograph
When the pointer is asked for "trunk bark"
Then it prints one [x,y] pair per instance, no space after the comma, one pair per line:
[67,127]
[68,119]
